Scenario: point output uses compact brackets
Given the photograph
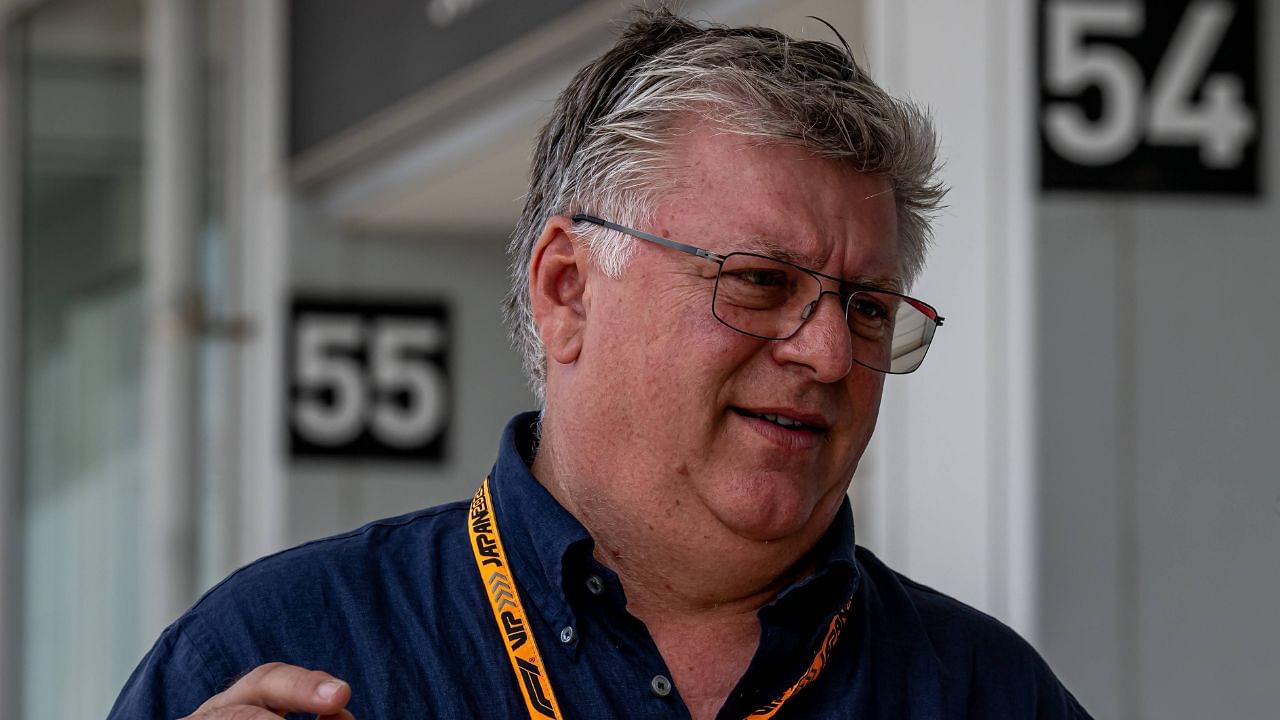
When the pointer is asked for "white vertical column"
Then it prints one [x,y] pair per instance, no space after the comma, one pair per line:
[171,208]
[260,209]
[953,481]
[10,376]
[1013,61]
[880,488]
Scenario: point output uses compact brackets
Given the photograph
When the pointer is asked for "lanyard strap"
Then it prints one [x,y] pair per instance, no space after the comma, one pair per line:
[508,612]
[513,624]
[838,622]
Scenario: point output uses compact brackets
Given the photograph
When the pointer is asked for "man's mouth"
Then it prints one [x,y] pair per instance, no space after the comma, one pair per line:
[781,420]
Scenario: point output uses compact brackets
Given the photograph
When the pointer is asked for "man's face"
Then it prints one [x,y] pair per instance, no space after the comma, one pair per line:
[675,397]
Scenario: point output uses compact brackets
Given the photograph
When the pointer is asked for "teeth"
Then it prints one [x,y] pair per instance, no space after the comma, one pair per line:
[783,421]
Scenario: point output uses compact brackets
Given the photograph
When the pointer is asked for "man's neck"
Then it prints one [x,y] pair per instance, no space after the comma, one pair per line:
[698,593]
[673,560]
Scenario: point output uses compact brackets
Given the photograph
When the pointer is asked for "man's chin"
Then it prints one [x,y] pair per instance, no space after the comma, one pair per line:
[761,511]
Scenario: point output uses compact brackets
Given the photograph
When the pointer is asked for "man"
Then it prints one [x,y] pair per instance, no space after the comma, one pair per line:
[707,280]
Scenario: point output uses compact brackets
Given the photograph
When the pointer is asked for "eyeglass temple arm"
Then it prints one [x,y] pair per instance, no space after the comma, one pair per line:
[925,309]
[667,242]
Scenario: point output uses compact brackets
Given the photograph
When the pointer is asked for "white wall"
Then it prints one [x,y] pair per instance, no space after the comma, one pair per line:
[1160,383]
[1161,521]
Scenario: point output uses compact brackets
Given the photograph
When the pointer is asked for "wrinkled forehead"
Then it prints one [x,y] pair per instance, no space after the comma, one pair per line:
[873,262]
[814,261]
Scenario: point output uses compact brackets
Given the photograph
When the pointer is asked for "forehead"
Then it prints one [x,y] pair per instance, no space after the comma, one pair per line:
[731,193]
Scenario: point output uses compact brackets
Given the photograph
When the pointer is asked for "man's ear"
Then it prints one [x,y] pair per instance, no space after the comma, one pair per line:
[558,290]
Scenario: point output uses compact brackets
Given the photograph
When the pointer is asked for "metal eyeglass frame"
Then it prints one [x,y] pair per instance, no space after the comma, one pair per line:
[844,297]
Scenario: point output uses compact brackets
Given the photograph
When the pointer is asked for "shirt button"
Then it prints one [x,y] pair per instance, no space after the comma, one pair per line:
[660,685]
[595,585]
[567,634]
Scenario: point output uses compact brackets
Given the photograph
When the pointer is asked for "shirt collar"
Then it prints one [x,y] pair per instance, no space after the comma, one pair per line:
[539,535]
[834,578]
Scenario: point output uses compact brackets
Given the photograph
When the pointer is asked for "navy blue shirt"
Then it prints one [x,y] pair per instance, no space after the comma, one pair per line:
[397,609]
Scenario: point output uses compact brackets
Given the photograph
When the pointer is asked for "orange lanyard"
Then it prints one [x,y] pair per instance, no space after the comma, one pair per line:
[838,622]
[513,623]
[508,611]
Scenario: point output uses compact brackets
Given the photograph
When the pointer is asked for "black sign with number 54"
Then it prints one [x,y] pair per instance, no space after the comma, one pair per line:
[1155,95]
[368,379]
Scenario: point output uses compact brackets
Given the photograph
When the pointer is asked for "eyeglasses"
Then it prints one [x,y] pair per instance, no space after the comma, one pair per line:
[771,299]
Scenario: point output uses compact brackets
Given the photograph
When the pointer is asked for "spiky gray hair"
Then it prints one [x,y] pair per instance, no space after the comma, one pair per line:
[607,139]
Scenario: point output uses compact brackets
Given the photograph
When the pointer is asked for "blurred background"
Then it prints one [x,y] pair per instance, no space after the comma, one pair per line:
[251,253]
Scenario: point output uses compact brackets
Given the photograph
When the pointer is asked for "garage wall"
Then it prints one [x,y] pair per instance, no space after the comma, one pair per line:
[1160,386]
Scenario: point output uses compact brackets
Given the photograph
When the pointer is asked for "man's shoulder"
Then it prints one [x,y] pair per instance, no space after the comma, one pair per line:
[347,604]
[288,605]
[421,538]
[983,660]
[945,620]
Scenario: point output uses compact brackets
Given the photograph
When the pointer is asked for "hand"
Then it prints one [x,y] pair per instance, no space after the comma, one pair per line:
[269,691]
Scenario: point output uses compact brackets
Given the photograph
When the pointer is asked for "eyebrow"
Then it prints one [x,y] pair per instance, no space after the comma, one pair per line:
[888,284]
[765,246]
[770,248]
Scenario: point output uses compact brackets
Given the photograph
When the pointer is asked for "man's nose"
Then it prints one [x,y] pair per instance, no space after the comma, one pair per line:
[822,343]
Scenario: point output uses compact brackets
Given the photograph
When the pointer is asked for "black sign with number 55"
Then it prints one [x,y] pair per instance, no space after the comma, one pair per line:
[1160,95]
[368,379]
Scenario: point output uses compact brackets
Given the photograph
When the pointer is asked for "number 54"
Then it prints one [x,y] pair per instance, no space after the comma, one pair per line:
[1220,123]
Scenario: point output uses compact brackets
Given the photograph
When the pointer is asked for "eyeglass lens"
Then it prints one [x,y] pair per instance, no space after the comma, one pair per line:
[772,299]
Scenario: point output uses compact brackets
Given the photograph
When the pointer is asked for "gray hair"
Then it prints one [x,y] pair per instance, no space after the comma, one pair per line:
[605,143]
